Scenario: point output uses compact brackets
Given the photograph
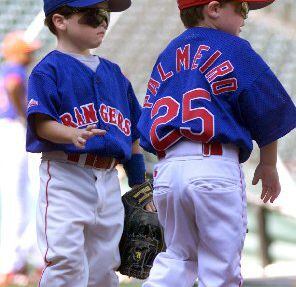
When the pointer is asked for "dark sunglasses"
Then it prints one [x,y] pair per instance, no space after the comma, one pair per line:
[93,17]
[244,9]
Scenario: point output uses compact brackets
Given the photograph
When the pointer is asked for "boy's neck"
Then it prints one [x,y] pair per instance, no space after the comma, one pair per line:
[68,47]
[206,24]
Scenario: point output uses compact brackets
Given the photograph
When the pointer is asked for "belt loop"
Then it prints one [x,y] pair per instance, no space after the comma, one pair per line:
[113,163]
[160,154]
[216,148]
[209,149]
[206,149]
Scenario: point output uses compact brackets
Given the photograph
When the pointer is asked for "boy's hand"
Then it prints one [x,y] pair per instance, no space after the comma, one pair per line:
[150,207]
[271,187]
[80,136]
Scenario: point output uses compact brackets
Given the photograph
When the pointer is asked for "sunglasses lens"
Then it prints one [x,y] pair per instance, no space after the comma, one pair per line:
[245,10]
[95,17]
[104,15]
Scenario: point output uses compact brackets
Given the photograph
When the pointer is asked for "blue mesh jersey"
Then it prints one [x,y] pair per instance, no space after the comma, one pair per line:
[68,91]
[210,86]
[16,72]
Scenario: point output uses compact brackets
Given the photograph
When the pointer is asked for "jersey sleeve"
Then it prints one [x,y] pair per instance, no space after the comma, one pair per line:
[135,111]
[42,99]
[266,109]
[43,96]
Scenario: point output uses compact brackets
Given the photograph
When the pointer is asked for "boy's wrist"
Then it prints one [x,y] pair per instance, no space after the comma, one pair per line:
[135,170]
[268,154]
[267,159]
[268,163]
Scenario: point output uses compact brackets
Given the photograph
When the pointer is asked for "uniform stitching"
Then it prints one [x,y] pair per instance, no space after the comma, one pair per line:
[242,192]
[48,263]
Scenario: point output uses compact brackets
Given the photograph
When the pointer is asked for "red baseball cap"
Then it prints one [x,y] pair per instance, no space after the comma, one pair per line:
[15,43]
[253,4]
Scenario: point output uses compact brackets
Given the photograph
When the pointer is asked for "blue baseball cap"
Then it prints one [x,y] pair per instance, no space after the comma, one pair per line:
[114,5]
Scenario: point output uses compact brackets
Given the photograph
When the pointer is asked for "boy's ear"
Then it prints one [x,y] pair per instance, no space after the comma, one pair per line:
[212,9]
[59,22]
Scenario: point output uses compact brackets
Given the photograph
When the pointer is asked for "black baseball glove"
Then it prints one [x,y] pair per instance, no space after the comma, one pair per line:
[142,237]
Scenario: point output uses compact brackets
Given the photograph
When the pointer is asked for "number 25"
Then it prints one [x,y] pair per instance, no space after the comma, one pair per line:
[188,114]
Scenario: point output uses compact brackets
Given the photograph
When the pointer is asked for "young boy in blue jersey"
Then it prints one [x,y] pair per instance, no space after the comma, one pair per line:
[82,116]
[210,94]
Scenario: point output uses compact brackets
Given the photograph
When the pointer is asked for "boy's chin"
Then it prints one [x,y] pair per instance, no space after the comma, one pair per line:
[95,45]
[98,43]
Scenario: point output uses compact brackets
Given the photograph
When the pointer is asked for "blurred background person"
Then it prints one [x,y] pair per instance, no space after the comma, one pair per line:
[16,199]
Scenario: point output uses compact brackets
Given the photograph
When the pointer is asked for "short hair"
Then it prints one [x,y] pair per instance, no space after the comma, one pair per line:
[192,16]
[65,11]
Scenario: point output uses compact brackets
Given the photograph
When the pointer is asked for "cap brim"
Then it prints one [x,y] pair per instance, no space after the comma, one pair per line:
[254,5]
[114,5]
[119,5]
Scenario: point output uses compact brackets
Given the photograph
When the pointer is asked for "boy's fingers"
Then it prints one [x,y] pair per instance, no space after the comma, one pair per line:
[271,195]
[276,194]
[255,179]
[278,190]
[81,141]
[78,145]
[267,197]
[98,132]
[86,135]
[150,207]
[273,198]
[90,127]
[264,191]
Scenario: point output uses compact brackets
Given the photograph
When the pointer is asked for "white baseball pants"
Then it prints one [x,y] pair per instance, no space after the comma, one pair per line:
[201,204]
[79,225]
